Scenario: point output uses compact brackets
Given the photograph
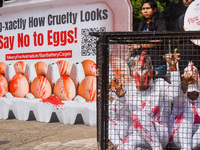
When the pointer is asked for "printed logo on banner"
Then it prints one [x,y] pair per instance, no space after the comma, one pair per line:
[197,6]
[88,43]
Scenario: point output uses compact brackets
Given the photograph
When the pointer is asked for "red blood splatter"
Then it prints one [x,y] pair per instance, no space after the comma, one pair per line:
[177,121]
[92,91]
[154,125]
[15,82]
[93,67]
[3,86]
[125,140]
[143,104]
[63,67]
[117,70]
[113,122]
[52,100]
[157,119]
[136,122]
[20,64]
[42,83]
[137,125]
[196,116]
[155,110]
[167,85]
[67,85]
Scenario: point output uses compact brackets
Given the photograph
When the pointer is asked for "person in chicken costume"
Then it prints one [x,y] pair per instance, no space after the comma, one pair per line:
[185,131]
[140,120]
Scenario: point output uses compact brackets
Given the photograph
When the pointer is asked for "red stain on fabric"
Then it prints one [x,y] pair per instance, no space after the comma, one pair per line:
[154,125]
[137,125]
[143,104]
[155,110]
[126,140]
[178,122]
[196,116]
[112,121]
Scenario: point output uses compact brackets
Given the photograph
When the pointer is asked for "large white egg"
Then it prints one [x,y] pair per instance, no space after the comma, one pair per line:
[3,86]
[64,67]
[20,67]
[65,89]
[19,86]
[41,88]
[2,68]
[89,67]
[41,68]
[87,88]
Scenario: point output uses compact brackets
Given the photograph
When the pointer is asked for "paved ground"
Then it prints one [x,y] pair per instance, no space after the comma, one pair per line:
[33,135]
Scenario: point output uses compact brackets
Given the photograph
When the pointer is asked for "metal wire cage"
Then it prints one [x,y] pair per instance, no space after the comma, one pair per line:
[143,101]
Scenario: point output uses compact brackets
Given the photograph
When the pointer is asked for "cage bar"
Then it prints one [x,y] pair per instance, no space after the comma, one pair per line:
[145,107]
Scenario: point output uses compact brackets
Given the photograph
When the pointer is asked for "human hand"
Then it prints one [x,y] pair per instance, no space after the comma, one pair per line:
[118,89]
[173,59]
[111,146]
[188,79]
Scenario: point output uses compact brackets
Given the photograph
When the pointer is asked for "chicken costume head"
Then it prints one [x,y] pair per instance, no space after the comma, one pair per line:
[191,69]
[142,70]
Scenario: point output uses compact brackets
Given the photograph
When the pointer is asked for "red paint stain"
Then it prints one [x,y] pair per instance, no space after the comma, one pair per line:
[117,70]
[143,104]
[67,85]
[93,67]
[125,140]
[137,125]
[20,64]
[3,85]
[112,121]
[154,125]
[167,85]
[15,82]
[136,122]
[178,122]
[155,110]
[63,67]
[92,90]
[52,100]
[42,83]
[196,116]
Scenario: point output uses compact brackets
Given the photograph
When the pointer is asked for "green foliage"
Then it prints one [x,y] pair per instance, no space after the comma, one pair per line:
[161,6]
[137,11]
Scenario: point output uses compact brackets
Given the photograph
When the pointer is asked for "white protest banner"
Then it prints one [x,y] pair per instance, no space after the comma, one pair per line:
[192,19]
[49,59]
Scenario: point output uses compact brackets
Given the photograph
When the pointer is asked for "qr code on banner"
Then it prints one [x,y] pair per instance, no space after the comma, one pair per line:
[88,43]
